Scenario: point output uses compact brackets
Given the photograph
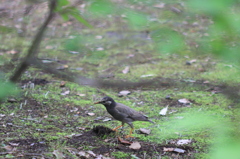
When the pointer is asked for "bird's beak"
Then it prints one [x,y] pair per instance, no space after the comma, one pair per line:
[97,102]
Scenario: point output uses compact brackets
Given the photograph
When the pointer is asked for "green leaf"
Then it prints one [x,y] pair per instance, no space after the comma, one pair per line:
[75,13]
[136,19]
[65,17]
[211,7]
[167,41]
[62,3]
[101,7]
[7,89]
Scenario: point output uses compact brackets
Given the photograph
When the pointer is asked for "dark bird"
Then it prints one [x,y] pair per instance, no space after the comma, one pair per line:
[122,113]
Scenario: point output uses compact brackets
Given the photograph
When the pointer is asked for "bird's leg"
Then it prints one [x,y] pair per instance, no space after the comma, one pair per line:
[115,129]
[130,133]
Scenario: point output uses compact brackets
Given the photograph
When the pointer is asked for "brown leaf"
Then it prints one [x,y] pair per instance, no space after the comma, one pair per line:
[124,141]
[135,146]
[169,149]
[62,84]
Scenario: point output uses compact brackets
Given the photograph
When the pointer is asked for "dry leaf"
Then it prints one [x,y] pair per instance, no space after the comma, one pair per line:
[145,131]
[49,47]
[106,119]
[161,5]
[124,93]
[184,101]
[100,49]
[126,70]
[91,153]
[58,154]
[135,146]
[164,111]
[169,149]
[184,141]
[91,114]
[150,75]
[124,141]
[179,150]
[62,84]
[65,93]
[98,37]
[83,154]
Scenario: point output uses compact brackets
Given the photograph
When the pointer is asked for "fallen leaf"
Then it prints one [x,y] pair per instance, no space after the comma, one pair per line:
[192,61]
[58,154]
[98,37]
[175,10]
[184,141]
[126,70]
[179,150]
[62,67]
[91,114]
[124,141]
[164,111]
[73,52]
[106,119]
[91,153]
[168,149]
[145,131]
[100,49]
[49,47]
[47,61]
[12,100]
[184,101]
[206,82]
[2,115]
[124,93]
[12,52]
[62,84]
[65,93]
[135,145]
[83,154]
[81,128]
[81,95]
[161,5]
[8,147]
[150,75]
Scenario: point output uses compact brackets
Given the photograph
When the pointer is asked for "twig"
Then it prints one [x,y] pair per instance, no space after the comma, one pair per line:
[33,50]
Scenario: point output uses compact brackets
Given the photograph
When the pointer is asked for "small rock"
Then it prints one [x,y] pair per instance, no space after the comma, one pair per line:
[168,97]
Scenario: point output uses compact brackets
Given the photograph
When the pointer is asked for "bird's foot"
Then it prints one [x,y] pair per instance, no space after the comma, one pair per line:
[128,136]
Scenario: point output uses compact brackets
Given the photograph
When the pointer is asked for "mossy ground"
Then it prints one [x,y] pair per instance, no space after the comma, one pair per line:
[42,120]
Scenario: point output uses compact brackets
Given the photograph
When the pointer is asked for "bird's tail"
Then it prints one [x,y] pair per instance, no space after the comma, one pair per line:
[151,121]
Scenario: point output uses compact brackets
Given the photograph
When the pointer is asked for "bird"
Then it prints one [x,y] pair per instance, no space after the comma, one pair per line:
[122,113]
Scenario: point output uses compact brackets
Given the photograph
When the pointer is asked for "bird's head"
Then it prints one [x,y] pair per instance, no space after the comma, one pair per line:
[105,101]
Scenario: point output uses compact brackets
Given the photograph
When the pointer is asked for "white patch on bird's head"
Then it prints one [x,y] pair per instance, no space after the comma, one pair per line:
[108,102]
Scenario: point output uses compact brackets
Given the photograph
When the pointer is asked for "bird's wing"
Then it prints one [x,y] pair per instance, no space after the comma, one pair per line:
[129,112]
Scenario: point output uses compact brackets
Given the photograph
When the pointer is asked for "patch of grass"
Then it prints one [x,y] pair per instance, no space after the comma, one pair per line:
[119,154]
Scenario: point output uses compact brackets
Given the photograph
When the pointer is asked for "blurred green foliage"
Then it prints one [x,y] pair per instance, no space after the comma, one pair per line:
[7,89]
